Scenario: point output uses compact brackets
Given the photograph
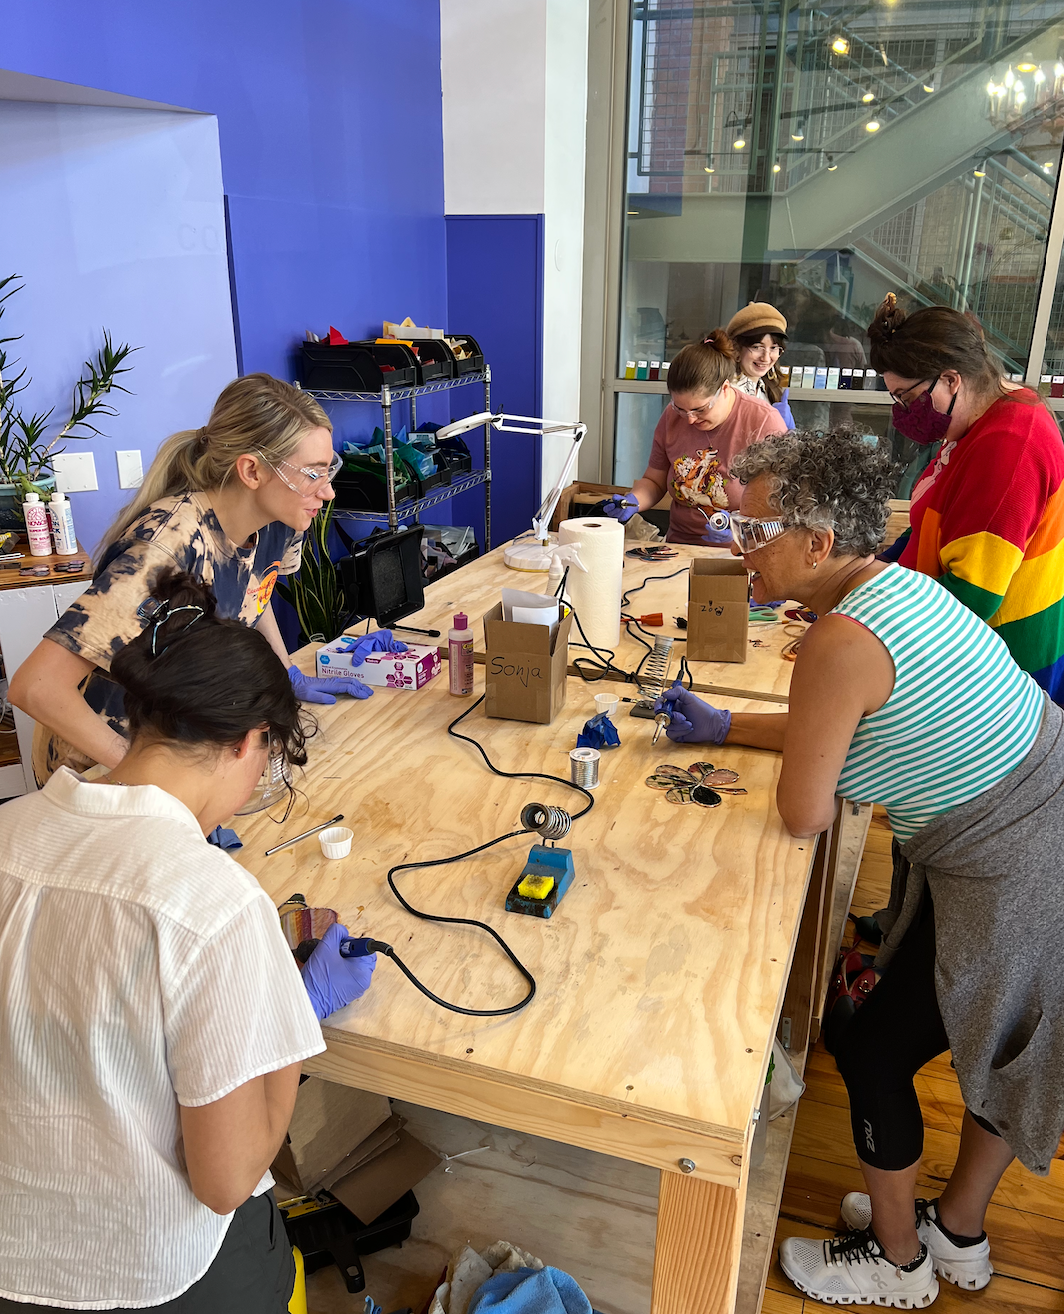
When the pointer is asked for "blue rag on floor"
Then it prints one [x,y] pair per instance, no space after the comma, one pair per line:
[530,1291]
[224,839]
[599,732]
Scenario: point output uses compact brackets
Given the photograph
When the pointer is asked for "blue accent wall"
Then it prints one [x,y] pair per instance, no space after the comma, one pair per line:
[495,292]
[331,132]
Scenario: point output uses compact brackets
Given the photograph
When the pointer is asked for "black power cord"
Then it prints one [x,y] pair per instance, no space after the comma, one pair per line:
[377,946]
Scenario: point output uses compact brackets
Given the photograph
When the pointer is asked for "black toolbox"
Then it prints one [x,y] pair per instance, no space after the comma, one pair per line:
[327,1232]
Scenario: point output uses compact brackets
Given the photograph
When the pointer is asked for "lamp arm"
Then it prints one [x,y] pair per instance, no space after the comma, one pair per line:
[541,520]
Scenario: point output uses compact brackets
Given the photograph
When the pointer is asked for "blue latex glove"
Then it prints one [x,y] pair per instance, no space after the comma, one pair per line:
[693,721]
[360,646]
[621,506]
[599,732]
[718,537]
[313,689]
[225,839]
[783,406]
[333,982]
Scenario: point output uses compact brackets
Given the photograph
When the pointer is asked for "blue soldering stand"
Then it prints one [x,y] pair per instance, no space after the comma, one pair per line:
[543,861]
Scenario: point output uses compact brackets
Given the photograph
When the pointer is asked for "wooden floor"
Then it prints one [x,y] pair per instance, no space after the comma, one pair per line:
[1026,1219]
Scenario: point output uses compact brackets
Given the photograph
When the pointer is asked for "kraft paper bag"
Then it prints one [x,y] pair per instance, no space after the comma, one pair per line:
[718,610]
[525,668]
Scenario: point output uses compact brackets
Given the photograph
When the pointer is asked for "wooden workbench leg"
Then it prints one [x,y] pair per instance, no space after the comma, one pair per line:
[696,1256]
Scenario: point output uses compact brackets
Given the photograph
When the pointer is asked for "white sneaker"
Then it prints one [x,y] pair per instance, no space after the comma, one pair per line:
[965,1266]
[852,1270]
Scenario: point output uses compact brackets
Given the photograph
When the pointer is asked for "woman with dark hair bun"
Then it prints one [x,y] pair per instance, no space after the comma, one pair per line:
[988,514]
[153,1022]
[706,424]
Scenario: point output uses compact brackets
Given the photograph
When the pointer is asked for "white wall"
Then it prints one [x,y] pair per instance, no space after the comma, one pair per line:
[514,109]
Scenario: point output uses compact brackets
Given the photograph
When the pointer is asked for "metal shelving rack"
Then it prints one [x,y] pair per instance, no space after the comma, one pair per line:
[385,399]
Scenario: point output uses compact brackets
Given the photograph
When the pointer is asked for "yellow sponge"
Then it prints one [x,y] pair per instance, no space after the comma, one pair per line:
[536,887]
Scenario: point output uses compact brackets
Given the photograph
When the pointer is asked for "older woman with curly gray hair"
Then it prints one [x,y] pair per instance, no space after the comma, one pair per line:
[903,696]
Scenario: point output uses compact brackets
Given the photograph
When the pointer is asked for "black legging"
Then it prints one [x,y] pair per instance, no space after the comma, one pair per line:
[892,1035]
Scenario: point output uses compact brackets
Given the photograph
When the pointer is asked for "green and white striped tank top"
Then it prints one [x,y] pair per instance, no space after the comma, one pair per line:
[961,715]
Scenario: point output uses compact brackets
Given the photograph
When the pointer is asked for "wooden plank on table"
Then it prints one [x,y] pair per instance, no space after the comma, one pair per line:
[660,974]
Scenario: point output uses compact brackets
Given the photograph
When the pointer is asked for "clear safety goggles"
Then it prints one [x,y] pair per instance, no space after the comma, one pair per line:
[305,479]
[749,533]
[274,783]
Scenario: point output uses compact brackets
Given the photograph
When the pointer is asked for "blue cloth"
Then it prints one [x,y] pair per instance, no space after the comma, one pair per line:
[530,1291]
[224,839]
[599,732]
[783,406]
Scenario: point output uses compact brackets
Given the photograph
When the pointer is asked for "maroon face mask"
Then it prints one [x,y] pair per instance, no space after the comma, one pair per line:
[921,422]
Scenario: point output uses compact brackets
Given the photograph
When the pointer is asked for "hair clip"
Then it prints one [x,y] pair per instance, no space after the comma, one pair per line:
[172,611]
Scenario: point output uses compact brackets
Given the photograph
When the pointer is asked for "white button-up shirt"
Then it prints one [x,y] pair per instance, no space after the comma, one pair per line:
[140,968]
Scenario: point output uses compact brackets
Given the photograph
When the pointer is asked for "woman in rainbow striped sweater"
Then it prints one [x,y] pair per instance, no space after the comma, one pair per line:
[988,514]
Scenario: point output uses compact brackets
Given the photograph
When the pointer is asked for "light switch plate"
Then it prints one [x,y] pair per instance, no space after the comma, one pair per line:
[130,469]
[75,472]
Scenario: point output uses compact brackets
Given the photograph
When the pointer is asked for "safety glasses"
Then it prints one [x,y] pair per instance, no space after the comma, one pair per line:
[310,477]
[749,533]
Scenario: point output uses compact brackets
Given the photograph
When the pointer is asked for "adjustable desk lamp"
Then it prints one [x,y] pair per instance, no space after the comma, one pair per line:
[534,555]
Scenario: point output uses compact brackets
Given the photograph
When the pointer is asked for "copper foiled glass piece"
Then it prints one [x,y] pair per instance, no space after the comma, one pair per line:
[724,789]
[721,776]
[706,798]
[700,769]
[676,773]
[660,782]
[681,794]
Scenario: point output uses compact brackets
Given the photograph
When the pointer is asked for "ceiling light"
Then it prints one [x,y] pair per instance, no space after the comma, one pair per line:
[872,125]
[633,211]
[776,168]
[1047,166]
[832,166]
[739,144]
[868,97]
[1010,77]
[1039,77]
[980,170]
[1020,98]
[840,46]
[1028,65]
[928,88]
[990,88]
[709,169]
[999,92]
[799,131]
[1058,69]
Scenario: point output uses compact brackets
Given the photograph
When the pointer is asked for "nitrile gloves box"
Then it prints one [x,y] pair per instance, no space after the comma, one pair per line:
[384,670]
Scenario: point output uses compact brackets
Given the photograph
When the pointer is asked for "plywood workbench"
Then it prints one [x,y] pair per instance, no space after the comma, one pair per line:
[661,978]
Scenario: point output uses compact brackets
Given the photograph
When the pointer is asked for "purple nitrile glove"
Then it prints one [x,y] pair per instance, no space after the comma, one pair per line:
[693,721]
[621,506]
[718,535]
[333,981]
[360,646]
[313,689]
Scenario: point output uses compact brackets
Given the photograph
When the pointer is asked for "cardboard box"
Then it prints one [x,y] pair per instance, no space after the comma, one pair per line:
[349,1143]
[718,610]
[384,670]
[524,668]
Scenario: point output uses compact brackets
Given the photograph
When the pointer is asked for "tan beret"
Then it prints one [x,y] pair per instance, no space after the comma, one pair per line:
[758,315]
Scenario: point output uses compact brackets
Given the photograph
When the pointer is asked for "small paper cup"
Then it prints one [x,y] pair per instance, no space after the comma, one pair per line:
[606,704]
[336,841]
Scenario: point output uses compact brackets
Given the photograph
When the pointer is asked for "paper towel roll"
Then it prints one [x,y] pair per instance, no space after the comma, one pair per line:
[596,595]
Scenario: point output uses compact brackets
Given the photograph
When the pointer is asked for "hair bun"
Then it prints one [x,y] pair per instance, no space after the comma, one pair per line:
[721,343]
[887,320]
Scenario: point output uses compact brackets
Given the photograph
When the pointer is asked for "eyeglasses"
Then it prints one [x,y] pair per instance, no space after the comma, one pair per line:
[311,476]
[749,533]
[696,412]
[899,398]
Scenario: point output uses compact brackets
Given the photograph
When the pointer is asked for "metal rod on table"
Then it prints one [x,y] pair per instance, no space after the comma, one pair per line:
[313,831]
[487,461]
[389,458]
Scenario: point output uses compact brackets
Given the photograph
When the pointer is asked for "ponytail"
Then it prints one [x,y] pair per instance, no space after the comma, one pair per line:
[257,413]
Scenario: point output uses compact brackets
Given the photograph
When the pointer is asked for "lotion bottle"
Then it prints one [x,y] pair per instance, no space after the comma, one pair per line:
[460,656]
[62,518]
[37,531]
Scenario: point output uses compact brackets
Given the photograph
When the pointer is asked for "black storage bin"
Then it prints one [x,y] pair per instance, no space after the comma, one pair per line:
[455,455]
[327,1232]
[348,368]
[435,359]
[402,368]
[360,489]
[471,363]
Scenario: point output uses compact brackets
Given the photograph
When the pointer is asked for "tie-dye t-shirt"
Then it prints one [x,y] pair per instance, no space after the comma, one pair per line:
[179,531]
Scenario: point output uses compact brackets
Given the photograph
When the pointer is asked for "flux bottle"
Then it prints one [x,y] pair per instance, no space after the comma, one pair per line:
[460,656]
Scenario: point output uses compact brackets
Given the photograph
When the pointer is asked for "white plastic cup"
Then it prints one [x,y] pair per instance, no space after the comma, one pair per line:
[606,704]
[336,841]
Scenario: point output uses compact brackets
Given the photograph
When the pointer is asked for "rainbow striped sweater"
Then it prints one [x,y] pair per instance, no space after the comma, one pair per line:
[988,523]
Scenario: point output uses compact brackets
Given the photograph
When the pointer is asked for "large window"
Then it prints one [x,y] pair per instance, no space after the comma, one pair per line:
[817,156]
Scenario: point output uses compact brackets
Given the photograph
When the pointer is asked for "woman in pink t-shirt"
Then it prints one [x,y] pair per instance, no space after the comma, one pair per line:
[707,423]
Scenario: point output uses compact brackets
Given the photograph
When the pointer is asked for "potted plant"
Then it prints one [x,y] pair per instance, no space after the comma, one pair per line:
[26,450]
[315,591]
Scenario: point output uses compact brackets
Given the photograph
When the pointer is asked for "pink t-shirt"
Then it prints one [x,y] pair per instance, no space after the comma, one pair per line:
[695,461]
